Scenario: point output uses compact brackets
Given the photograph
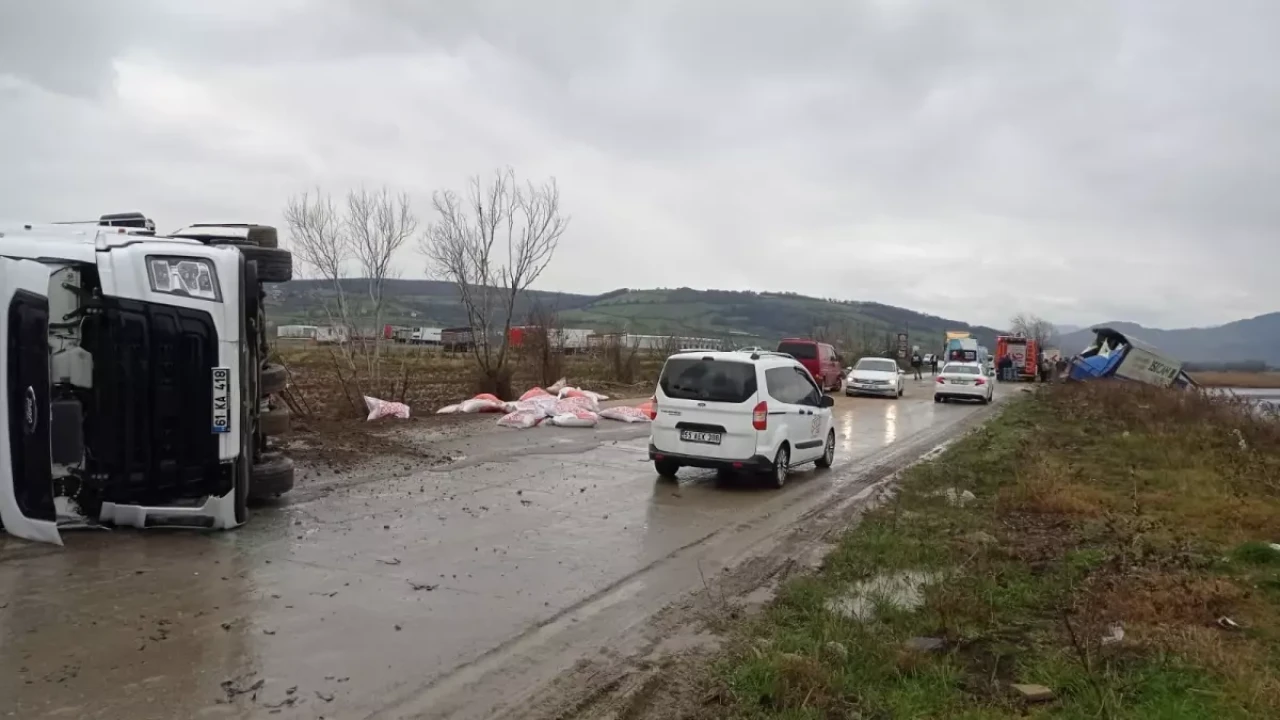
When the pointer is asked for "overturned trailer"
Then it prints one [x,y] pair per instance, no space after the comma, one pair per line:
[1114,354]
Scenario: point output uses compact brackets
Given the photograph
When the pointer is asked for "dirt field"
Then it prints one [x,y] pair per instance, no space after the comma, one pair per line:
[324,384]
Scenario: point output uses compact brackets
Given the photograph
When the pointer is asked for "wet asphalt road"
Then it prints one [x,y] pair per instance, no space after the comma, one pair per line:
[394,591]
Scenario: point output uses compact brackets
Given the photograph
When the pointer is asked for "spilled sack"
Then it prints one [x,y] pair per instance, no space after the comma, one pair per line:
[384,408]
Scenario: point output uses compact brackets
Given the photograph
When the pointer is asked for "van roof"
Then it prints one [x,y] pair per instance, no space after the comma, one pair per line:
[774,358]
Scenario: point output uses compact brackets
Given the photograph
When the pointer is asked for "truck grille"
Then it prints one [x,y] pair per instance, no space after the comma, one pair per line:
[28,385]
[148,434]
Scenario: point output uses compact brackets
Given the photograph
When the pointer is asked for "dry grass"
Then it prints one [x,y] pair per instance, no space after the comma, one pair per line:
[1100,503]
[1238,379]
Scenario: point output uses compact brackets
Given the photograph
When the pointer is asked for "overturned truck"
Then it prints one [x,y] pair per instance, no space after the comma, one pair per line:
[134,383]
[1114,354]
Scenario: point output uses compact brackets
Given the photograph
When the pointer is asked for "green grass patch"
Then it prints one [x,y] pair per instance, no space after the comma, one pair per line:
[1100,507]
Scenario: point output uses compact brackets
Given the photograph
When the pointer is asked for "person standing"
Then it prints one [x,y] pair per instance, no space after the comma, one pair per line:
[915,363]
[1005,364]
[933,364]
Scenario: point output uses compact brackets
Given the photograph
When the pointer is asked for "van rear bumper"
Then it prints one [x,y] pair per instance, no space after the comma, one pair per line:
[757,463]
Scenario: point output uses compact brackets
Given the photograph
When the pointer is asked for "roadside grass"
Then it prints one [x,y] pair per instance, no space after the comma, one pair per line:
[1098,506]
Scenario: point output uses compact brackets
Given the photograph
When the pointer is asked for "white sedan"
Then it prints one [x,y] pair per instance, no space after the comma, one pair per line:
[874,376]
[963,381]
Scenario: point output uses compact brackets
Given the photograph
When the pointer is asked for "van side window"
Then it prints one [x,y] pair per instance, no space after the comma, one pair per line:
[782,385]
[808,391]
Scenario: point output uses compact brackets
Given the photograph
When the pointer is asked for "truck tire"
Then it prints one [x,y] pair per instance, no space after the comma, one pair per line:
[274,422]
[274,265]
[274,379]
[272,477]
[264,236]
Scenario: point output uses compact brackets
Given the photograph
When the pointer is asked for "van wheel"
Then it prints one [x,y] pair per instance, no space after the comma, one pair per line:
[829,452]
[666,468]
[781,466]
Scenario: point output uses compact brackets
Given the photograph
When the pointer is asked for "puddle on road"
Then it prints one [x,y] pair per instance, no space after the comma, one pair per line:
[904,590]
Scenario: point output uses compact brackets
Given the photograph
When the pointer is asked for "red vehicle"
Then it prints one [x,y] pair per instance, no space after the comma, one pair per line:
[820,359]
[1024,351]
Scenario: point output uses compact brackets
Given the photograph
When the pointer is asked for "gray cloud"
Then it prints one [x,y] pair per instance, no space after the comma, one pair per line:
[1087,161]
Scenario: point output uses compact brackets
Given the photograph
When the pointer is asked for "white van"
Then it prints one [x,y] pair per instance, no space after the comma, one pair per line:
[731,411]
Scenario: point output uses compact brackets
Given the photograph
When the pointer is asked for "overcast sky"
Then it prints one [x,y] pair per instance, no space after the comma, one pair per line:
[1086,161]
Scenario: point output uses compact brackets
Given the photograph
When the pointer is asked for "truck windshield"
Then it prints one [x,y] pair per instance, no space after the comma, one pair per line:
[709,380]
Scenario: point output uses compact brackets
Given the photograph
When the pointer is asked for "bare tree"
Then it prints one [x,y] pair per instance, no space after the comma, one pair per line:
[320,242]
[377,225]
[493,244]
[1034,327]
[544,343]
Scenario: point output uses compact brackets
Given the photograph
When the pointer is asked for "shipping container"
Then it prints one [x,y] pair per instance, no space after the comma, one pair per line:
[457,338]
[331,334]
[425,336]
[296,332]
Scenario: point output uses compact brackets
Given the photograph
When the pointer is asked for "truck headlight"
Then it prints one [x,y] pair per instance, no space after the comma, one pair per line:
[185,276]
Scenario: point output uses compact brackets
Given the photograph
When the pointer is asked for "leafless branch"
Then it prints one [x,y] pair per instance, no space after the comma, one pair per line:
[1034,327]
[319,241]
[493,245]
[378,224]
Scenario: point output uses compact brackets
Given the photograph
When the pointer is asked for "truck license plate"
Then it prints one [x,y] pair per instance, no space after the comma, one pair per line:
[222,400]
[708,438]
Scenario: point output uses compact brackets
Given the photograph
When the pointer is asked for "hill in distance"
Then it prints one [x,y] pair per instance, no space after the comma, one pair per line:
[753,317]
[1256,339]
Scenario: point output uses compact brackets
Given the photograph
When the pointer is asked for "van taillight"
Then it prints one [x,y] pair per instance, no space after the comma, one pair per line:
[760,416]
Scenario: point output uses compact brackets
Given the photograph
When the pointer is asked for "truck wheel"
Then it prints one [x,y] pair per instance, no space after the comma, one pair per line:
[274,422]
[274,265]
[274,379]
[272,477]
[264,236]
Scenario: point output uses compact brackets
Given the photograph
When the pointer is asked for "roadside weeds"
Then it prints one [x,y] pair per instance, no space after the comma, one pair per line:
[1117,554]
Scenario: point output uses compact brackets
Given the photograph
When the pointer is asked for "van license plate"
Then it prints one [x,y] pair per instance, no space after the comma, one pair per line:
[222,400]
[707,438]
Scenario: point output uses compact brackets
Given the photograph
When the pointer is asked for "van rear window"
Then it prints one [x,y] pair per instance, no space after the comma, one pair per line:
[799,350]
[710,380]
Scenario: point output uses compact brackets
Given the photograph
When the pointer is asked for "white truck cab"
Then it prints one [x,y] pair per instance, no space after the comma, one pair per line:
[134,387]
[732,411]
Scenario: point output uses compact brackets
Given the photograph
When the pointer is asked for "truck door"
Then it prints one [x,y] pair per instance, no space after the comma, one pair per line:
[26,470]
